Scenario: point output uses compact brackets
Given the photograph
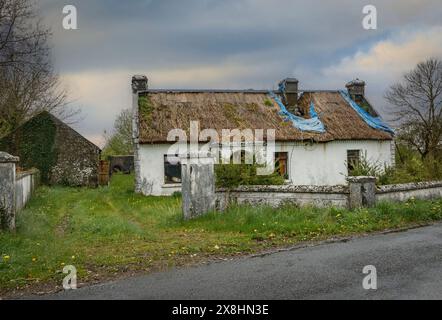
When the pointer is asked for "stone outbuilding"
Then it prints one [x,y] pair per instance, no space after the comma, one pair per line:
[62,155]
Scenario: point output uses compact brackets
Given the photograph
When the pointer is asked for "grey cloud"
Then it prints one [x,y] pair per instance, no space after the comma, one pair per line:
[179,33]
[272,39]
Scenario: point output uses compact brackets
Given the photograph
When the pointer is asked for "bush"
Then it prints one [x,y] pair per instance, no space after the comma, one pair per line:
[365,167]
[413,170]
[409,168]
[234,175]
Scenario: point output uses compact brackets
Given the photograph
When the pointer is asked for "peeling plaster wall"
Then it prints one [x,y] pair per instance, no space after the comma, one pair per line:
[322,164]
[25,185]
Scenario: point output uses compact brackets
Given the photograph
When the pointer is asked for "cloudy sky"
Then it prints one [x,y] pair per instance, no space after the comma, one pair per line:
[233,44]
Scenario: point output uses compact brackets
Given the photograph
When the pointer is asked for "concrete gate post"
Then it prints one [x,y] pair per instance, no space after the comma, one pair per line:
[198,184]
[7,191]
[362,192]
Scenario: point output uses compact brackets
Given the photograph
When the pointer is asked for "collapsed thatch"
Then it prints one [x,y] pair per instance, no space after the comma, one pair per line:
[163,111]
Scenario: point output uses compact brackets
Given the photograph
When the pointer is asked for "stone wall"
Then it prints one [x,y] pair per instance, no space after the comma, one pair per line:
[15,189]
[275,196]
[77,161]
[403,192]
[201,197]
[360,192]
[7,191]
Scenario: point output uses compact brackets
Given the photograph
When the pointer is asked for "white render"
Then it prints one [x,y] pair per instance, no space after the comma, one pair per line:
[318,164]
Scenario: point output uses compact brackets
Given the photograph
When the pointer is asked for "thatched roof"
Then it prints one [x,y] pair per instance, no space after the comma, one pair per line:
[166,110]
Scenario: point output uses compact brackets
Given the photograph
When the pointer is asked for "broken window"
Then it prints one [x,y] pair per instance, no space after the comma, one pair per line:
[353,159]
[172,169]
[281,164]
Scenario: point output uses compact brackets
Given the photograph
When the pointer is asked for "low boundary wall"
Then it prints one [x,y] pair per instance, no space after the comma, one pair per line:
[403,192]
[356,194]
[15,189]
[200,195]
[276,196]
[25,185]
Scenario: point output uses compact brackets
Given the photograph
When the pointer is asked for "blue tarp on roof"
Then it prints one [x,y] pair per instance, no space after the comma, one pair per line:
[374,122]
[313,124]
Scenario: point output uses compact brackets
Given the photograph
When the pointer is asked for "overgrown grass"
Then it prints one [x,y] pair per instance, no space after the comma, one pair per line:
[108,231]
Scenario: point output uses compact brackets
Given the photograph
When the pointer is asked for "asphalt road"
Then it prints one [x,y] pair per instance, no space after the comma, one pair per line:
[409,266]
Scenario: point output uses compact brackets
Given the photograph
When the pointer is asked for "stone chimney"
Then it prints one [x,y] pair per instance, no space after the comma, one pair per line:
[356,88]
[289,92]
[139,83]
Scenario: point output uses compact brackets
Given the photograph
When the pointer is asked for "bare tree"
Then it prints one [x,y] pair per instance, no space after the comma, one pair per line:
[27,81]
[417,103]
[22,35]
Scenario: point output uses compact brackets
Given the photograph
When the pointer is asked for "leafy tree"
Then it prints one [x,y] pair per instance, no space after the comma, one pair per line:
[119,142]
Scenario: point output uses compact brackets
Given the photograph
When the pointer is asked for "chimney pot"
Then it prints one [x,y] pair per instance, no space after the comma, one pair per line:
[289,92]
[356,88]
[139,83]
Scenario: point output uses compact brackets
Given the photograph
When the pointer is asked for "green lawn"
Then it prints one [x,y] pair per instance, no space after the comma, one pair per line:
[111,231]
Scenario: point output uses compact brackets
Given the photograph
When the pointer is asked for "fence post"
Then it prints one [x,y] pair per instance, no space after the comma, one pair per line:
[198,184]
[7,191]
[362,192]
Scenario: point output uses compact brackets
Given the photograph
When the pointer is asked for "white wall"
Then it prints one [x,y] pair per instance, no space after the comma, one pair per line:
[317,164]
[152,170]
[325,163]
[24,187]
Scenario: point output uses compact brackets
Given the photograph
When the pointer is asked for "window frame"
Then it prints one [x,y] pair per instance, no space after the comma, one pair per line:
[351,158]
[285,175]
[167,181]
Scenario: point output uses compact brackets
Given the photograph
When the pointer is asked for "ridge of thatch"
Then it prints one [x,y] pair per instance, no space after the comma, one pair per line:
[166,110]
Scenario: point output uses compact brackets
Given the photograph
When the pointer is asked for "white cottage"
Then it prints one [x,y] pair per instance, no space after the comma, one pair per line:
[351,129]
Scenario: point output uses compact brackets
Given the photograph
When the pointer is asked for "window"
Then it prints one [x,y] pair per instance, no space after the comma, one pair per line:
[353,159]
[172,169]
[281,164]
